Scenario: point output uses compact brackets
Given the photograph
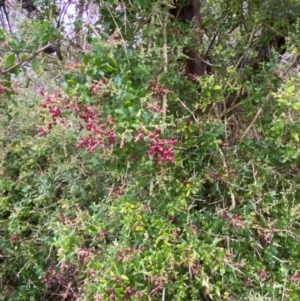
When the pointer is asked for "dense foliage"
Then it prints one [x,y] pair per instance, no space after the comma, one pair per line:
[124,176]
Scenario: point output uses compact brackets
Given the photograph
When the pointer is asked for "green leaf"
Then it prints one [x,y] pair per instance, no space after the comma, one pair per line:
[35,65]
[113,61]
[291,90]
[71,83]
[2,35]
[128,137]
[96,47]
[217,87]
[24,57]
[124,277]
[107,68]
[16,71]
[10,61]
[86,58]
[296,136]
[119,111]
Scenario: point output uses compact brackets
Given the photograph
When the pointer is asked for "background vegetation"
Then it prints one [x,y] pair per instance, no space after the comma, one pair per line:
[149,150]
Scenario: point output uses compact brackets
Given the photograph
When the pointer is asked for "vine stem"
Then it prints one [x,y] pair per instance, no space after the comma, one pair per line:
[232,196]
[165,57]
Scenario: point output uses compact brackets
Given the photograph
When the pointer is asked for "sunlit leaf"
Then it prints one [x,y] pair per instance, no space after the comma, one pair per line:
[10,61]
[71,83]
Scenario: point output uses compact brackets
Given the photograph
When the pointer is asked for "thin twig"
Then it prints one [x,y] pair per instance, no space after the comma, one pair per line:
[26,60]
[25,265]
[163,295]
[185,106]
[255,117]
[49,254]
[94,30]
[149,38]
[252,36]
[165,57]
[233,203]
[120,33]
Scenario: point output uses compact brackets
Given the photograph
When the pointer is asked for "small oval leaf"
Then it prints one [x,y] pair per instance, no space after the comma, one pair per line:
[10,61]
[24,57]
[2,35]
[35,65]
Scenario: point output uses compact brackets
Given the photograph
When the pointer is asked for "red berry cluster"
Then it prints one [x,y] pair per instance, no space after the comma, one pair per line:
[55,105]
[75,66]
[131,293]
[139,136]
[95,87]
[15,237]
[2,89]
[159,91]
[157,88]
[99,132]
[7,86]
[155,105]
[85,254]
[115,39]
[163,149]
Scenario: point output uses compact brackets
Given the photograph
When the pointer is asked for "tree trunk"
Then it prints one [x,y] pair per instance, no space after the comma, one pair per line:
[189,11]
